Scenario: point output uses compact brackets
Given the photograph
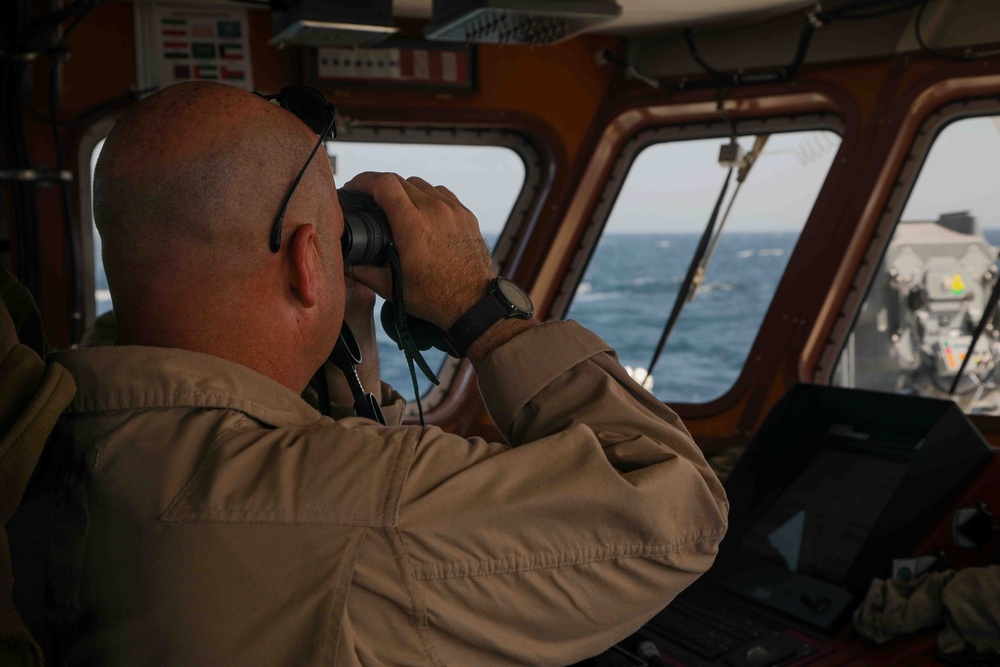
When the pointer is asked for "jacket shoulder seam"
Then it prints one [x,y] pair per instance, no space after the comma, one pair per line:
[546,561]
[405,568]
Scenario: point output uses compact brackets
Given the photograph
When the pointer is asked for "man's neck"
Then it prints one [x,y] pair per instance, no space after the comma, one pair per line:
[268,355]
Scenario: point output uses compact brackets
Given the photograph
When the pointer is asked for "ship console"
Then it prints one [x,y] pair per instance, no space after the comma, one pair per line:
[836,484]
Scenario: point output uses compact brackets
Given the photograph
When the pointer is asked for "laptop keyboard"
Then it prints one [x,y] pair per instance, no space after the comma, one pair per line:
[707,634]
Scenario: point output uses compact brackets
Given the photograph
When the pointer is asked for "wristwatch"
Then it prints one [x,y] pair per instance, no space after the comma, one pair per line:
[503,301]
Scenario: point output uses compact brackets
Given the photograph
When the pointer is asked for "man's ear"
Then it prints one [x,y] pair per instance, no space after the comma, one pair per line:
[305,271]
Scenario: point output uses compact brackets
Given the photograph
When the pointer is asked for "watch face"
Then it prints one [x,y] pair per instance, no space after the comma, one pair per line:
[516,296]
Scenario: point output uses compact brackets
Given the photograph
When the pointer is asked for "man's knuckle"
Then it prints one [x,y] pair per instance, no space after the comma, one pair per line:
[439,208]
[385,181]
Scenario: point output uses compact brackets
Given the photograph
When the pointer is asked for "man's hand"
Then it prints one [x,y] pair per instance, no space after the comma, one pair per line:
[446,265]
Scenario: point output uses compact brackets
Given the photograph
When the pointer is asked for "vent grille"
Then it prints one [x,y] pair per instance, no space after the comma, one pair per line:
[325,33]
[334,23]
[516,22]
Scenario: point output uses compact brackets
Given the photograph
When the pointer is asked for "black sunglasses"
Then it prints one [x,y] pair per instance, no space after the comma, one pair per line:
[309,106]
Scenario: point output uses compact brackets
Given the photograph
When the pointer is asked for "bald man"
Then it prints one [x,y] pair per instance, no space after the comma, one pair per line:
[194,510]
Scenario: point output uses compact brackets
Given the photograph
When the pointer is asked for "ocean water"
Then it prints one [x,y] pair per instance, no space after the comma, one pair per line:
[626,295]
[629,288]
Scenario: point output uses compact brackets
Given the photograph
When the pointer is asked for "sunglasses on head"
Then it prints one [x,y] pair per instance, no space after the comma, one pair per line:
[309,106]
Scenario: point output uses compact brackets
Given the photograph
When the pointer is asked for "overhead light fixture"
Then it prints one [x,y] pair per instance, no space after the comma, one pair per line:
[336,23]
[516,21]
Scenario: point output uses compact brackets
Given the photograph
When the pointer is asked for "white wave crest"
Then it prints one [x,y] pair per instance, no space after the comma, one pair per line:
[708,288]
[642,376]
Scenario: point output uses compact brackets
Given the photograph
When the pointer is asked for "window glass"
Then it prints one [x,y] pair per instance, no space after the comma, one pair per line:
[640,262]
[929,292]
[102,296]
[487,179]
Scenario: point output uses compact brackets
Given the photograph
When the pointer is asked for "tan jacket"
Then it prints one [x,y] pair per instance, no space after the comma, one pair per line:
[32,396]
[206,515]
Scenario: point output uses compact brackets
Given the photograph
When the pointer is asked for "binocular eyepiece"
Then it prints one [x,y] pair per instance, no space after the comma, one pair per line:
[366,229]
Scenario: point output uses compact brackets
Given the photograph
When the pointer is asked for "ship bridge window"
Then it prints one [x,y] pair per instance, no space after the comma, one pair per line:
[928,296]
[494,173]
[631,279]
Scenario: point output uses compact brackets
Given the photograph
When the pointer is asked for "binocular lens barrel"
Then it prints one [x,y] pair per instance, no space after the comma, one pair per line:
[366,229]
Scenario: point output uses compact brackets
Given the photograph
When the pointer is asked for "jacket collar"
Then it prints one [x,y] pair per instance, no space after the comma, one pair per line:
[134,377]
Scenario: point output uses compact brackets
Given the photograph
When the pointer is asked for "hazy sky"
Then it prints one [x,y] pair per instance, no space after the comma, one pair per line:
[962,173]
[487,179]
[672,187]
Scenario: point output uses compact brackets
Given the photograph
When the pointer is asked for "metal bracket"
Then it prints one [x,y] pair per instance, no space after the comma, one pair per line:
[814,16]
[39,175]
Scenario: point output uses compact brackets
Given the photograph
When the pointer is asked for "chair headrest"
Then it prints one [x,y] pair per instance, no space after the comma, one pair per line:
[8,334]
[21,311]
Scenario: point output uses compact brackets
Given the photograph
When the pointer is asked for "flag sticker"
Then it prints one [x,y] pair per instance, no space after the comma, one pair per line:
[175,49]
[232,74]
[203,31]
[199,44]
[203,51]
[231,51]
[230,30]
[206,72]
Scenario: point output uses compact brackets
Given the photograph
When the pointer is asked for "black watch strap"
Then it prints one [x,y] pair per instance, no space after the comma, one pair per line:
[491,309]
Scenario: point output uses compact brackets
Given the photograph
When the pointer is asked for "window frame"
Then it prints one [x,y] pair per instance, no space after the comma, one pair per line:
[905,180]
[94,134]
[594,227]
[526,147]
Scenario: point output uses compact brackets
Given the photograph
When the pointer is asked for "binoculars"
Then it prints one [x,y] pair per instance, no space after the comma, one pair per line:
[366,229]
[364,241]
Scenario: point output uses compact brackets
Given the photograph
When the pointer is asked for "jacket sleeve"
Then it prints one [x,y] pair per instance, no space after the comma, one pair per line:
[553,549]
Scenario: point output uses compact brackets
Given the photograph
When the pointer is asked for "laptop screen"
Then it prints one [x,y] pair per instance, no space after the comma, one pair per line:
[819,524]
[835,484]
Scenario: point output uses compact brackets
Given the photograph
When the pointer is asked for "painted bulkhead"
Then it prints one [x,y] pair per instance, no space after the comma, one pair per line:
[586,108]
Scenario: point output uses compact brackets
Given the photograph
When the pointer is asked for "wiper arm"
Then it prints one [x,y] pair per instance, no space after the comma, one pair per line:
[706,247]
[745,165]
[692,271]
[991,306]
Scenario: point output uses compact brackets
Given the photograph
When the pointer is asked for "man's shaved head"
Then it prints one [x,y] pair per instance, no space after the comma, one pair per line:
[186,189]
[198,163]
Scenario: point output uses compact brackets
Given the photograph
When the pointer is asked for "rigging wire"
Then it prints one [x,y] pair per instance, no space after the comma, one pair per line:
[685,287]
[747,163]
[740,78]
[991,306]
[859,10]
[706,247]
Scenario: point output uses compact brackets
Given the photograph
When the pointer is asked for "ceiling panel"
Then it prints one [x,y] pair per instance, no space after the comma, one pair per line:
[647,14]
